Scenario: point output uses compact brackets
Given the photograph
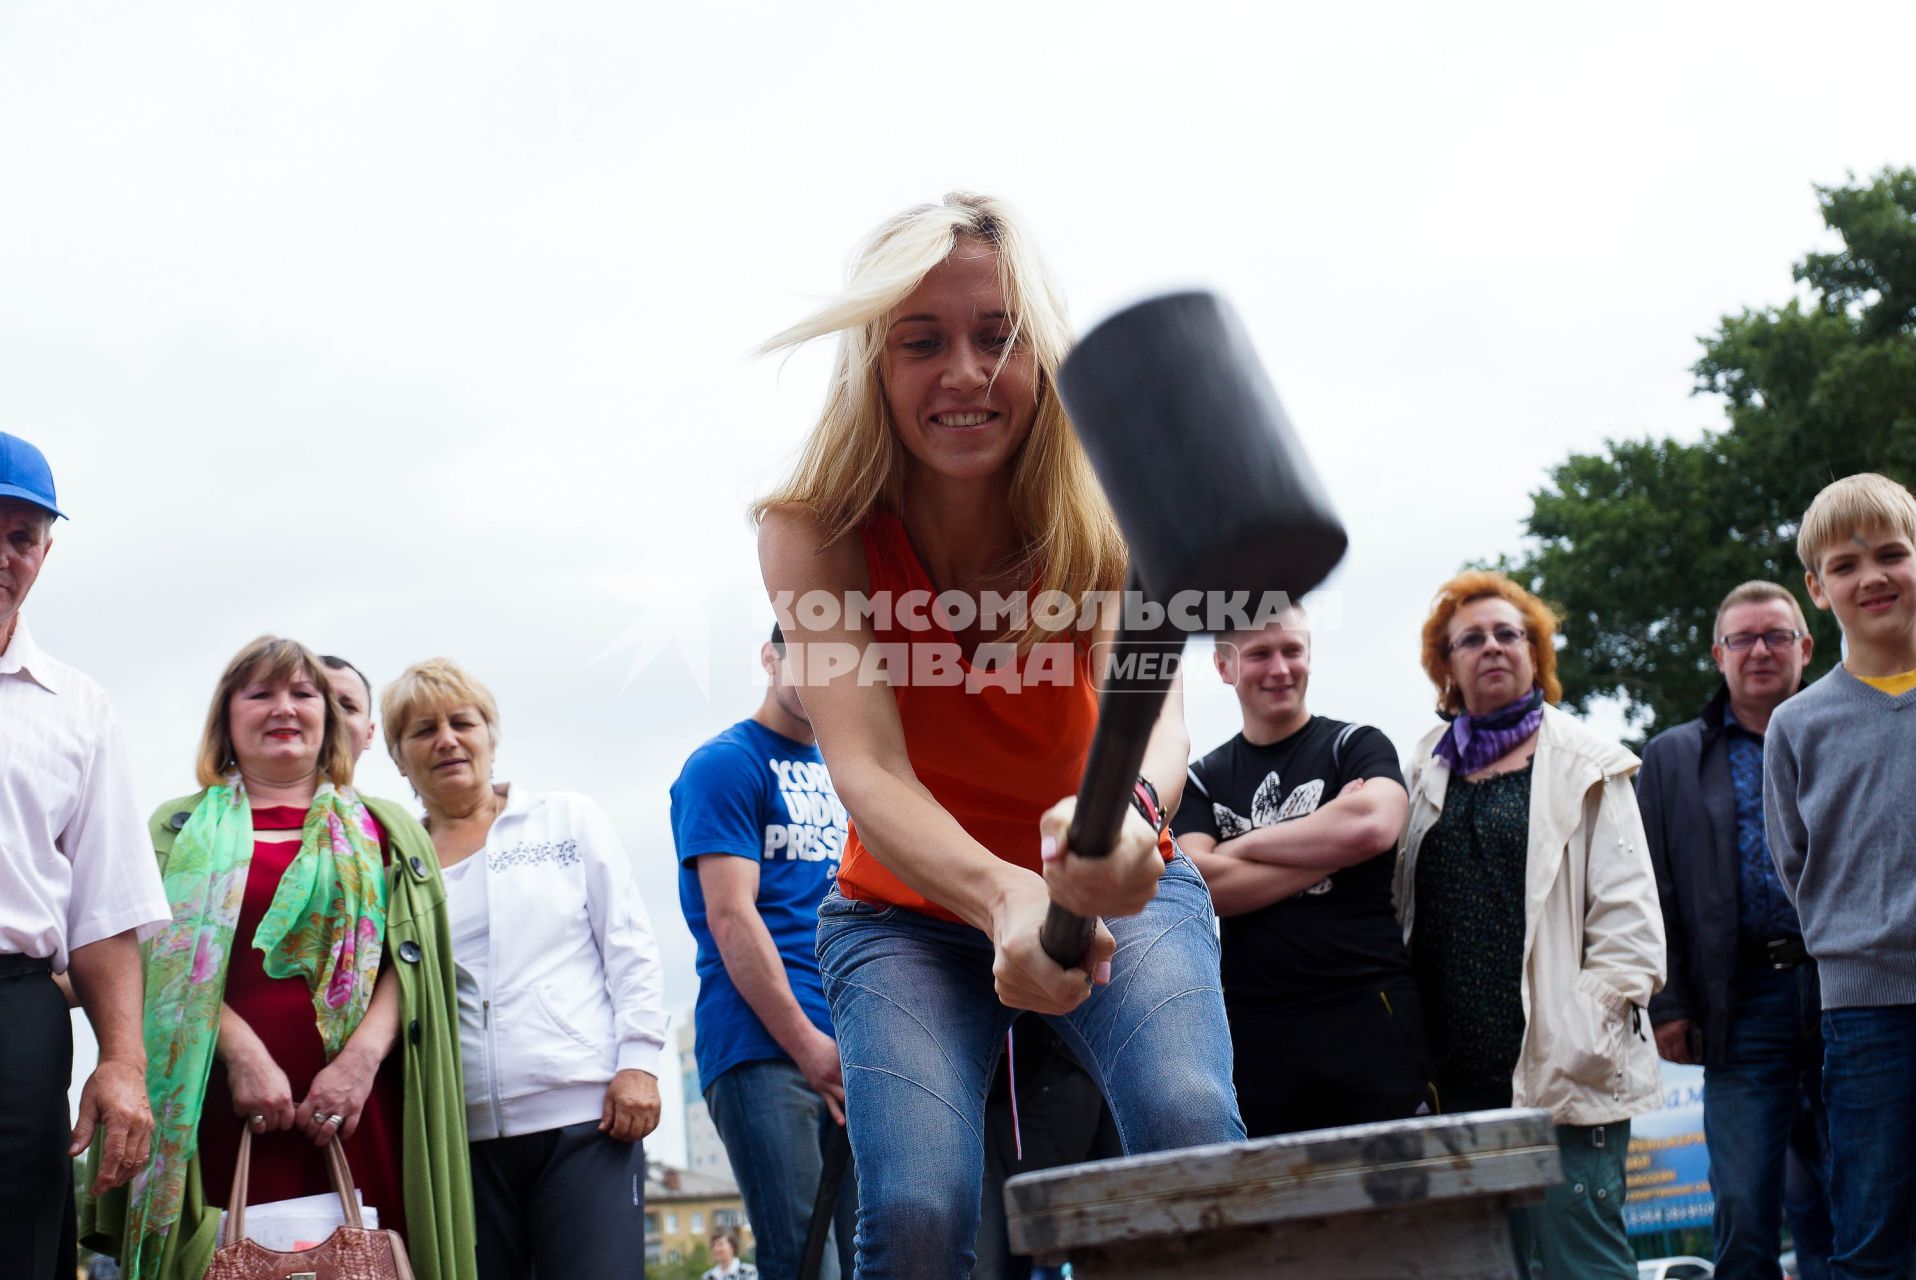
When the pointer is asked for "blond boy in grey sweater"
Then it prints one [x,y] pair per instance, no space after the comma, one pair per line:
[1840,806]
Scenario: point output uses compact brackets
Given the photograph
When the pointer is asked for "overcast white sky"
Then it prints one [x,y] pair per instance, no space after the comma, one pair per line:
[415,329]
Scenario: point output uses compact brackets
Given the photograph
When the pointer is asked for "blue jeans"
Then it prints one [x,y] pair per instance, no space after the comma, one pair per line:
[920,1029]
[1869,1088]
[1772,1060]
[774,1128]
[1806,1191]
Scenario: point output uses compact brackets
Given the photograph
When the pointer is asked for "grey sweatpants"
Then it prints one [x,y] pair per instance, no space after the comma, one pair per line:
[560,1204]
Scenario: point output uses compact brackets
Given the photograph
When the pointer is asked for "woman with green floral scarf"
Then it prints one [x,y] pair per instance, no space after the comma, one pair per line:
[304,989]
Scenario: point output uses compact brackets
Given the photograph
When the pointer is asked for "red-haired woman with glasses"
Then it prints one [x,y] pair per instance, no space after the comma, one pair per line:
[1530,909]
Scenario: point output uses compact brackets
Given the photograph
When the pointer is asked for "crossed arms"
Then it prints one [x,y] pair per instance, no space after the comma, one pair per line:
[1269,864]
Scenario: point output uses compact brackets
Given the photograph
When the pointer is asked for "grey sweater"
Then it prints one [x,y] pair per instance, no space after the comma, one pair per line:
[1839,791]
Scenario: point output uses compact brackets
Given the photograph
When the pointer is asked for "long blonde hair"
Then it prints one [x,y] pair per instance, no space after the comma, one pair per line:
[853,461]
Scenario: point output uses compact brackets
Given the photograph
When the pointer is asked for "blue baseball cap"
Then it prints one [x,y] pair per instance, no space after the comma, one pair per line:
[24,474]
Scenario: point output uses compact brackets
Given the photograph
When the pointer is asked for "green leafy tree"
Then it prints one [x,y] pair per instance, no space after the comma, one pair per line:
[1638,543]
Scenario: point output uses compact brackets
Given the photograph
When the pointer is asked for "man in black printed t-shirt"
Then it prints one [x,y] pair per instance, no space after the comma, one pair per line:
[1294,823]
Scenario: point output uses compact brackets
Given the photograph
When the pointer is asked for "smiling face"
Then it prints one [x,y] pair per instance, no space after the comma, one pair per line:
[1869,582]
[355,707]
[277,727]
[1271,671]
[961,396]
[1760,676]
[446,752]
[23,549]
[1499,671]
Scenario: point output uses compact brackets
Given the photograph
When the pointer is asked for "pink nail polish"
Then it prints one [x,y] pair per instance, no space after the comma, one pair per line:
[1048,849]
[1104,973]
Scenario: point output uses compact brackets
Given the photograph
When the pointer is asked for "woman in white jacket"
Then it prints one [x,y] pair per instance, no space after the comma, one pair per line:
[1530,909]
[560,998]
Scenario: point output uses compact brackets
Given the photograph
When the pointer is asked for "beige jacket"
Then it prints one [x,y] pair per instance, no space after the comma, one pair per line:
[1593,930]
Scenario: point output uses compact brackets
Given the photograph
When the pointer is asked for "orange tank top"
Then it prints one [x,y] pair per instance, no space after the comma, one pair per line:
[995,746]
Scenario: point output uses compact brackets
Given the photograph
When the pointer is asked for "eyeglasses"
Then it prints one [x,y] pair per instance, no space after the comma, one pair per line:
[1743,641]
[1471,641]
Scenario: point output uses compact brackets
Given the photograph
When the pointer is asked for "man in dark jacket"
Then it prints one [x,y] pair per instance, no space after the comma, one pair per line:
[1741,998]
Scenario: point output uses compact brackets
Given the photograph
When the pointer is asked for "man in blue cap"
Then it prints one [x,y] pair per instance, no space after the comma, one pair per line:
[79,888]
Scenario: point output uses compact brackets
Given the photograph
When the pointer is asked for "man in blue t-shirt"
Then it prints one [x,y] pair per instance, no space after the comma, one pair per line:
[759,832]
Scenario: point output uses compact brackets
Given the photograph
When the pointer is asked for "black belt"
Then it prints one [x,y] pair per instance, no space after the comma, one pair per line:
[19,966]
[1777,953]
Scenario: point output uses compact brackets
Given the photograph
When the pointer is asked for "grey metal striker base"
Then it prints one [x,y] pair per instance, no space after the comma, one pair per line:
[1424,1198]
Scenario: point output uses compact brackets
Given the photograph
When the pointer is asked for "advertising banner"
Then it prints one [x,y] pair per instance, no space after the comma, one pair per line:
[1668,1166]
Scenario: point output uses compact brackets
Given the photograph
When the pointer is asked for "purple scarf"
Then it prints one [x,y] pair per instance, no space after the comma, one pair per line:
[1475,741]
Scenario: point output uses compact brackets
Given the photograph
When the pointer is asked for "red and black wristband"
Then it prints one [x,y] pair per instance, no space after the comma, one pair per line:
[1144,798]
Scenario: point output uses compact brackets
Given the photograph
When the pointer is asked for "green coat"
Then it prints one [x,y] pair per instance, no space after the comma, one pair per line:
[436,1171]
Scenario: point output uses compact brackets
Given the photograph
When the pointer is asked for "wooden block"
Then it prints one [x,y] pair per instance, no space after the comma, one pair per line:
[1449,1241]
[1433,1190]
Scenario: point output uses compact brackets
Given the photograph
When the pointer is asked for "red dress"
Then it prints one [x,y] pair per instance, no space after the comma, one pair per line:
[286,1164]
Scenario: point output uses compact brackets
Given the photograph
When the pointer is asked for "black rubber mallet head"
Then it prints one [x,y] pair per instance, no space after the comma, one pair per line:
[1214,495]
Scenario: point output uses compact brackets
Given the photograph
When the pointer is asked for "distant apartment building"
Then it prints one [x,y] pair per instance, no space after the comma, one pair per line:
[683,1208]
[704,1153]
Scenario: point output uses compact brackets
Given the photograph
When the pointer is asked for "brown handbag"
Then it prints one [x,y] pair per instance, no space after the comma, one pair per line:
[353,1252]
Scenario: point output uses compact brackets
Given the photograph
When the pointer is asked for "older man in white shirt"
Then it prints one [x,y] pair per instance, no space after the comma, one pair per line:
[78,889]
